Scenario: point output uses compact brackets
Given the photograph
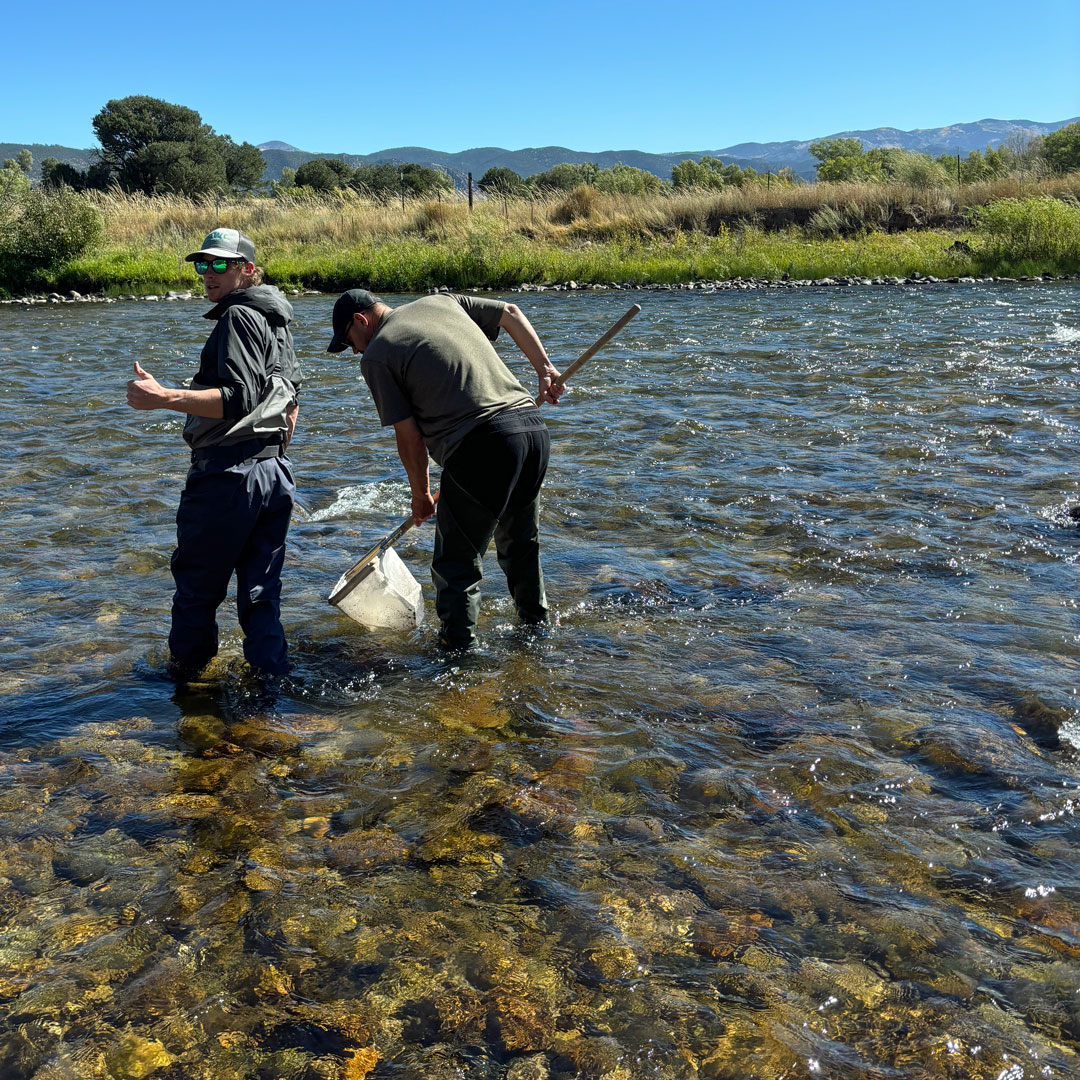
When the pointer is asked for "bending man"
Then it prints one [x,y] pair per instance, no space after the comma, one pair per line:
[436,378]
[235,507]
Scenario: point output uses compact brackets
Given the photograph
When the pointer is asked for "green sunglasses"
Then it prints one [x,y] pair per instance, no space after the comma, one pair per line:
[219,266]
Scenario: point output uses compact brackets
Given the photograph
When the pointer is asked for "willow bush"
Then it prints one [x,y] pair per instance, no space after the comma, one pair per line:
[42,229]
[1027,233]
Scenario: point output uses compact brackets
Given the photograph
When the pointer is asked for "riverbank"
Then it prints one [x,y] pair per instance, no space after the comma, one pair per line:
[418,266]
[333,243]
[732,284]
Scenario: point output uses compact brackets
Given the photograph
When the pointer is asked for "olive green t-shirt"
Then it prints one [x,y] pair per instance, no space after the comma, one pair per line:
[433,360]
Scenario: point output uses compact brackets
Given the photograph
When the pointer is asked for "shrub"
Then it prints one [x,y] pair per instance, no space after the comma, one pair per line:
[1040,230]
[42,229]
[579,205]
[433,218]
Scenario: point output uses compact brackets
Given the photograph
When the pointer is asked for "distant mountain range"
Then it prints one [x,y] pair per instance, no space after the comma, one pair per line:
[765,157]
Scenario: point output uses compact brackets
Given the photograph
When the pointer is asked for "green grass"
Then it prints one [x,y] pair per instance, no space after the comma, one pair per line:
[123,270]
[334,245]
[414,265]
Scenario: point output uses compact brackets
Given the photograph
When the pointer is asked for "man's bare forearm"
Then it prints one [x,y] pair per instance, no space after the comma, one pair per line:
[521,332]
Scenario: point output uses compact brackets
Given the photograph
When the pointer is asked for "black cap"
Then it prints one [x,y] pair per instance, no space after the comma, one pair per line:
[348,304]
[225,244]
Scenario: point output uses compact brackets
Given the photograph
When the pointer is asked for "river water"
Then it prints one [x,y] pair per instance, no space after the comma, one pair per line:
[788,790]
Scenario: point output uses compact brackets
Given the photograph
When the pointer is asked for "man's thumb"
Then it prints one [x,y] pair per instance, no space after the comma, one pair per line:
[139,371]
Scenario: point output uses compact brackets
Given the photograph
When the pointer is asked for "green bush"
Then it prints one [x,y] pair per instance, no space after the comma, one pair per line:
[1030,235]
[40,229]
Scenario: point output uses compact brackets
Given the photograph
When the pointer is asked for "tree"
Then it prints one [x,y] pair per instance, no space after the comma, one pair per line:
[178,168]
[343,171]
[417,181]
[502,182]
[244,164]
[565,177]
[152,146]
[286,182]
[23,161]
[842,160]
[55,174]
[1000,160]
[381,181]
[626,180]
[14,183]
[1061,148]
[827,149]
[318,175]
[124,126]
[973,169]
[707,173]
[733,175]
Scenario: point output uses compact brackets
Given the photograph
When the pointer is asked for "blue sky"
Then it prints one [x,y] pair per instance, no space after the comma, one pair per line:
[587,75]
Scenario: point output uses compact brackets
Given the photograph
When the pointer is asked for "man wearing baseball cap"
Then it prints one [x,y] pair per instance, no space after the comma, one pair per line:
[236,505]
[437,380]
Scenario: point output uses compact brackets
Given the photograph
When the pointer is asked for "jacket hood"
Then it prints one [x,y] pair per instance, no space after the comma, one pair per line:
[268,300]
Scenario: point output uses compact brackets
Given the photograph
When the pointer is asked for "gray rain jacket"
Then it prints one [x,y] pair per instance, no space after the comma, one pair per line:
[249,357]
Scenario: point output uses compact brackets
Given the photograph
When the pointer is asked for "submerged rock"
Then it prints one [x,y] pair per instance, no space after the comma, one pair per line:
[135,1056]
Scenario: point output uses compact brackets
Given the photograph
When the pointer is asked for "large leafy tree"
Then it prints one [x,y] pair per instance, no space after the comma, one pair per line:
[125,126]
[153,146]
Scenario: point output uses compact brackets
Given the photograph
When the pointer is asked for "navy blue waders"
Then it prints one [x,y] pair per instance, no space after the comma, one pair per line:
[233,516]
[489,490]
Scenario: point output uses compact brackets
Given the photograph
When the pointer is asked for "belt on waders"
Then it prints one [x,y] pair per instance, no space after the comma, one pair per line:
[235,453]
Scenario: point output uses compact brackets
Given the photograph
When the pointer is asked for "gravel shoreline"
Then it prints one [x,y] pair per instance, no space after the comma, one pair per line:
[727,285]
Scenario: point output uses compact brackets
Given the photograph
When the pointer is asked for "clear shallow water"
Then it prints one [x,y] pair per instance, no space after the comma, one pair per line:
[790,789]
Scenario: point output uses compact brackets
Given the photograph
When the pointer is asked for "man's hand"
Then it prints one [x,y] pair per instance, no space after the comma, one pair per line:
[422,506]
[549,389]
[144,391]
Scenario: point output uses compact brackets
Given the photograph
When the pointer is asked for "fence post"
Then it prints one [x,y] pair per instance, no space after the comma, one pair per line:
[470,193]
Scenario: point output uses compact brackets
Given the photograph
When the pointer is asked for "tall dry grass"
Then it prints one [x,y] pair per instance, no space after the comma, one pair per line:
[173,224]
[345,238]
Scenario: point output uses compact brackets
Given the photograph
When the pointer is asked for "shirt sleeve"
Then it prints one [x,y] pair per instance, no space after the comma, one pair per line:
[241,361]
[390,401]
[483,311]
